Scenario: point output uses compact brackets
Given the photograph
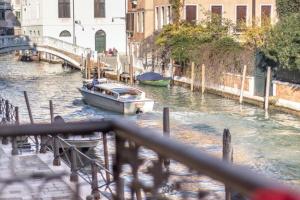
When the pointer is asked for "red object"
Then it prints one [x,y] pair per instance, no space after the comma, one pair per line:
[268,194]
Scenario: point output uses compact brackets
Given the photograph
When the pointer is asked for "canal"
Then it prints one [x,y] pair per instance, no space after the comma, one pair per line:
[268,144]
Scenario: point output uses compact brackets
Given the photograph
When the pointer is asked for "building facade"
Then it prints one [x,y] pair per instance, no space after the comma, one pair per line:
[10,14]
[96,24]
[246,12]
[140,24]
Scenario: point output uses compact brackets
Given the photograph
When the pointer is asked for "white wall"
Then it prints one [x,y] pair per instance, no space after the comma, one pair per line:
[84,12]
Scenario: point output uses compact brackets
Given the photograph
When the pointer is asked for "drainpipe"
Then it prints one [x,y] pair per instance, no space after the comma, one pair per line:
[74,36]
[253,13]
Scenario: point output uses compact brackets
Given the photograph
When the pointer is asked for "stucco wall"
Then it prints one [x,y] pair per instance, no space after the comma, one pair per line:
[287,91]
[45,13]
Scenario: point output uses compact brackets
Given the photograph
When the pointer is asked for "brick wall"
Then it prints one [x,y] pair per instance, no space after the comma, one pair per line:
[287,91]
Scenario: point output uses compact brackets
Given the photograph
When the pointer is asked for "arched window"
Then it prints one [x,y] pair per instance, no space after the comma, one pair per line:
[100,41]
[65,33]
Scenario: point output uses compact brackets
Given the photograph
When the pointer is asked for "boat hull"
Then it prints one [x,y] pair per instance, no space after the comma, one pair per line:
[124,107]
[159,83]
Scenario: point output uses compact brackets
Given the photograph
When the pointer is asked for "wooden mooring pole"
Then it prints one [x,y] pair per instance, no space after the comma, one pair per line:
[243,83]
[31,119]
[131,69]
[267,89]
[227,156]
[192,76]
[203,79]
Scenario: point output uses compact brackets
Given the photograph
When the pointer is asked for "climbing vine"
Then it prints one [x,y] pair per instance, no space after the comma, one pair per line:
[176,7]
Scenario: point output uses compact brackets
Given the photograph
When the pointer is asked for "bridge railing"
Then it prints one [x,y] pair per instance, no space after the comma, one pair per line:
[61,45]
[139,160]
[14,41]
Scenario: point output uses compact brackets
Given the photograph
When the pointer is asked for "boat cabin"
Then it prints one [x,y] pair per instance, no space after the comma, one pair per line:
[117,91]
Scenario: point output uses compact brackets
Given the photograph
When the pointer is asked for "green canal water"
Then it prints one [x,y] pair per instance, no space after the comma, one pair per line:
[268,144]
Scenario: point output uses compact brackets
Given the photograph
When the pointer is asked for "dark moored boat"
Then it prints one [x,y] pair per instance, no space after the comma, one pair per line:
[154,79]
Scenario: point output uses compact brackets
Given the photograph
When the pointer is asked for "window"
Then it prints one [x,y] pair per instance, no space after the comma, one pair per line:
[216,12]
[2,14]
[265,15]
[169,15]
[191,13]
[163,17]
[64,9]
[18,15]
[241,16]
[157,17]
[100,41]
[138,23]
[130,22]
[65,33]
[99,8]
[143,22]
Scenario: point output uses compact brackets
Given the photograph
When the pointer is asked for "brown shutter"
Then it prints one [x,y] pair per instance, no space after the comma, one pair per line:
[191,13]
[241,16]
[217,10]
[216,14]
[265,15]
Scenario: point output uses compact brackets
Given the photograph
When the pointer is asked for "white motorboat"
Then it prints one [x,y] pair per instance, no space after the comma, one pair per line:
[116,97]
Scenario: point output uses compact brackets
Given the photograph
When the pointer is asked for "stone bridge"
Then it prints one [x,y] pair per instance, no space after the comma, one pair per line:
[70,53]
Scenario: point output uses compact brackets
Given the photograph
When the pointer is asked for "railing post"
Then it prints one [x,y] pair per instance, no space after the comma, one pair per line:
[166,130]
[227,157]
[56,160]
[95,189]
[14,143]
[7,111]
[73,176]
[106,160]
[117,169]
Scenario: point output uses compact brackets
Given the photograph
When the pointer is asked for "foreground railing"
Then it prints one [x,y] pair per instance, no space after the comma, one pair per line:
[147,165]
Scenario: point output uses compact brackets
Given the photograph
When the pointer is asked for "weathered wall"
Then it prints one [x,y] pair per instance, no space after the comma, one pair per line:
[287,91]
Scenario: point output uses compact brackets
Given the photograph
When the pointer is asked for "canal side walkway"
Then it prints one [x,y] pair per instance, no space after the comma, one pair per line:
[28,163]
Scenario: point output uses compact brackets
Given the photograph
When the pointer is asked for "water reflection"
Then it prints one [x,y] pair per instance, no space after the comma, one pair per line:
[268,144]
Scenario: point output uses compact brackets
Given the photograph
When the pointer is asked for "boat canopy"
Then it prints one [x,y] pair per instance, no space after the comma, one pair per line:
[150,76]
[119,89]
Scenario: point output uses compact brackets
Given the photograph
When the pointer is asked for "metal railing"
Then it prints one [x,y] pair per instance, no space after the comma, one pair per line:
[144,152]
[14,41]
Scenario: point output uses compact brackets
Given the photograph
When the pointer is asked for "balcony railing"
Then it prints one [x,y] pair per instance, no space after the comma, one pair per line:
[145,164]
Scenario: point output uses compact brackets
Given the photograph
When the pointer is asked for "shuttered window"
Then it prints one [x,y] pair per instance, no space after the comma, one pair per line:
[241,16]
[265,15]
[216,12]
[99,8]
[191,13]
[64,9]
[130,22]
